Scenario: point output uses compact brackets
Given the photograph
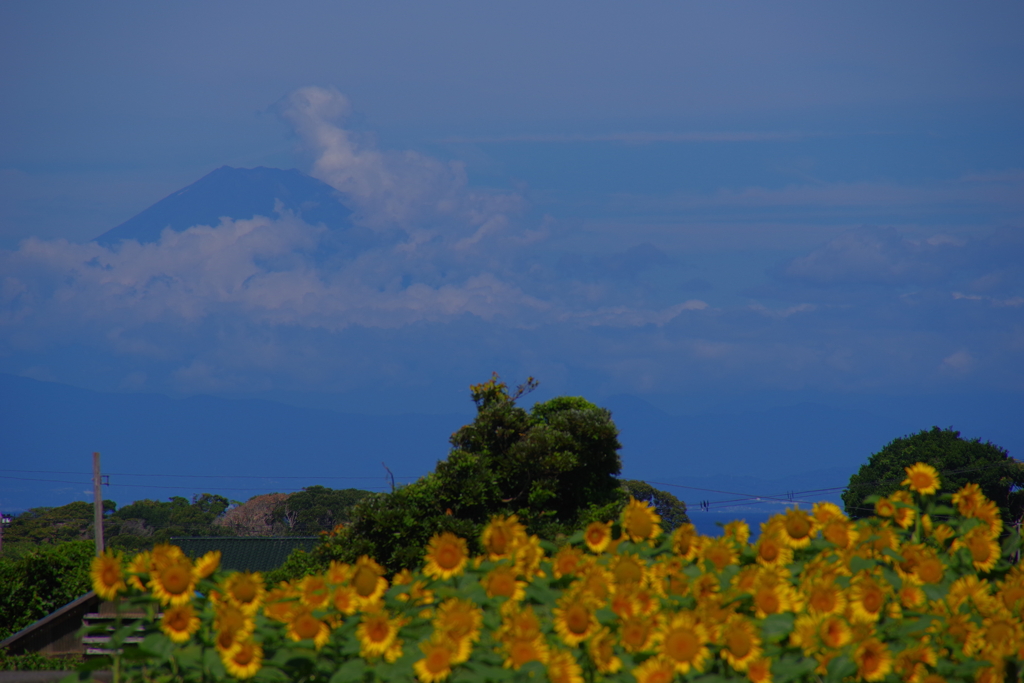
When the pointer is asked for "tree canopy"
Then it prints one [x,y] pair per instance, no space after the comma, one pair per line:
[958,461]
[553,466]
[671,510]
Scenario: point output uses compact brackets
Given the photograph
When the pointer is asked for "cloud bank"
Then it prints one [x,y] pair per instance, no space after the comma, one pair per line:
[457,282]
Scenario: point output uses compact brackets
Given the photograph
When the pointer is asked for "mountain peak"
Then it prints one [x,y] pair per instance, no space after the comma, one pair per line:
[237,193]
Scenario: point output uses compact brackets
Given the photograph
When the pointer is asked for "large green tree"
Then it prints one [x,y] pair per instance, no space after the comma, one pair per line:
[317,508]
[554,466]
[958,461]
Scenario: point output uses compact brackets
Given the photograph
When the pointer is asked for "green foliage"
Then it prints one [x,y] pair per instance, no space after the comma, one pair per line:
[554,466]
[71,522]
[671,510]
[39,582]
[318,508]
[33,661]
[144,523]
[958,462]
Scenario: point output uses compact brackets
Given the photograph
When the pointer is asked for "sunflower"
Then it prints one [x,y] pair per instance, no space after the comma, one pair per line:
[207,564]
[772,597]
[437,662]
[345,600]
[245,590]
[503,582]
[905,509]
[970,589]
[520,624]
[1002,635]
[566,561]
[138,567]
[834,632]
[597,581]
[368,580]
[230,625]
[876,536]
[521,651]
[501,536]
[107,575]
[984,549]
[741,644]
[639,521]
[772,551]
[527,556]
[602,652]
[962,630]
[738,531]
[574,618]
[760,670]
[825,597]
[686,541]
[720,553]
[597,536]
[1011,594]
[446,556]
[798,527]
[244,660]
[867,598]
[628,569]
[824,512]
[912,663]
[805,634]
[839,532]
[638,633]
[988,513]
[304,626]
[968,498]
[684,642]
[929,569]
[173,582]
[340,572]
[911,596]
[314,592]
[922,478]
[884,507]
[179,623]
[873,660]
[563,668]
[376,632]
[458,620]
[658,669]
[280,603]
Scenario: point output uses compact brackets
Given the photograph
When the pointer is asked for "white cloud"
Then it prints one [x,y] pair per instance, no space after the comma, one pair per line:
[960,362]
[391,189]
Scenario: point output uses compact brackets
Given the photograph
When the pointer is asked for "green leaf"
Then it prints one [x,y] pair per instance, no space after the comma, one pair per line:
[859,564]
[213,665]
[270,674]
[775,627]
[933,591]
[158,645]
[791,668]
[841,667]
[892,577]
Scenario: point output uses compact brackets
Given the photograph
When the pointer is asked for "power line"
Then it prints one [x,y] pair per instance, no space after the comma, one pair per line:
[197,476]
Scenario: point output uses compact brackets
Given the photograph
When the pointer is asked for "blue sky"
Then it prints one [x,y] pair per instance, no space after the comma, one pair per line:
[696,203]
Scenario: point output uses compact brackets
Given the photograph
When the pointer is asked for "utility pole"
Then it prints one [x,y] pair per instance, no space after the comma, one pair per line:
[4,521]
[97,503]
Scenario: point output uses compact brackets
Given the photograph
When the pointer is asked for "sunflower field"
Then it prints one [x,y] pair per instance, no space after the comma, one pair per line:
[922,592]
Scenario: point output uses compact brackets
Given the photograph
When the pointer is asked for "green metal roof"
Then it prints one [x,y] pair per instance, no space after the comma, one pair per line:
[253,554]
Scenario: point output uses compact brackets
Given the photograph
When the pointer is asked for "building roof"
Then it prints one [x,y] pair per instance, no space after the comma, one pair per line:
[250,553]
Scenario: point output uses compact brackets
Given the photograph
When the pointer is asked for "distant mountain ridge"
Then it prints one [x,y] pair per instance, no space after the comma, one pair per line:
[236,193]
